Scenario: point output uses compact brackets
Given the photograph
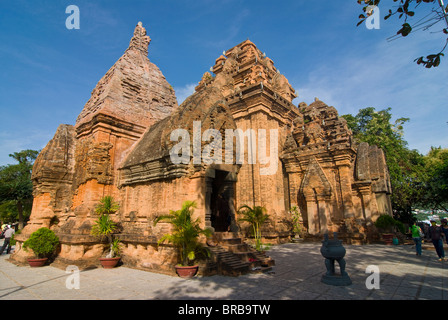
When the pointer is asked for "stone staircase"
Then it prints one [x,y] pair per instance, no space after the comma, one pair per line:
[233,257]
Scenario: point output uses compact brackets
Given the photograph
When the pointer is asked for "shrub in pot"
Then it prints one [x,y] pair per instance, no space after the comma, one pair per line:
[387,225]
[185,236]
[43,243]
[256,217]
[297,223]
[104,228]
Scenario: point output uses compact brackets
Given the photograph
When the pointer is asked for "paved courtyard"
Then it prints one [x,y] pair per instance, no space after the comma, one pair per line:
[296,276]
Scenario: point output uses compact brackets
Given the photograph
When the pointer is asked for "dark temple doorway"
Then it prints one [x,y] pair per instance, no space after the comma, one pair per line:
[221,214]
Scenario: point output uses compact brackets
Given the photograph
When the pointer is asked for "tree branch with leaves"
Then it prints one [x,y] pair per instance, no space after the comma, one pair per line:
[15,182]
[406,10]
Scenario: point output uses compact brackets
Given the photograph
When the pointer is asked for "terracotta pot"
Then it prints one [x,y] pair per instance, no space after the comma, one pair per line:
[34,263]
[388,238]
[187,272]
[109,263]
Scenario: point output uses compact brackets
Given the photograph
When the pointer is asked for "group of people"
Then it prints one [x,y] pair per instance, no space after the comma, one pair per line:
[435,234]
[6,234]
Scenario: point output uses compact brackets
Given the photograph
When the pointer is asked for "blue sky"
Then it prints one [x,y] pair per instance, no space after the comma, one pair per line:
[48,71]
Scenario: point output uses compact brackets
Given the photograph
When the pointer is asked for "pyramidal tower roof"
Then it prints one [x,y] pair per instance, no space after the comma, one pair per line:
[134,90]
[243,66]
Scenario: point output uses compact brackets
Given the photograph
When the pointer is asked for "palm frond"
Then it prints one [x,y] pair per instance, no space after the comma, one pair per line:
[186,231]
[107,205]
[255,216]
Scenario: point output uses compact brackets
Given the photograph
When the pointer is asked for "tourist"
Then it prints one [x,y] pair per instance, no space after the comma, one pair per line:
[436,237]
[444,227]
[426,231]
[7,242]
[417,237]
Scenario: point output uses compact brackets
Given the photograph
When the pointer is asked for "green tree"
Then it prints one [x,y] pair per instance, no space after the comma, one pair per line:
[25,156]
[15,182]
[406,167]
[9,213]
[425,13]
[436,167]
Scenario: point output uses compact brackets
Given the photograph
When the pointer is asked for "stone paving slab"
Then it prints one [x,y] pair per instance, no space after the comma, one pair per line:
[296,276]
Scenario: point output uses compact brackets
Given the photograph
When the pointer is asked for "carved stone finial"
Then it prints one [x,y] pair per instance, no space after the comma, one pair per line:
[140,41]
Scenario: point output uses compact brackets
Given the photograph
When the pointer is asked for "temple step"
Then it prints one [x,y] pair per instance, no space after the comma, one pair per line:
[228,263]
[235,257]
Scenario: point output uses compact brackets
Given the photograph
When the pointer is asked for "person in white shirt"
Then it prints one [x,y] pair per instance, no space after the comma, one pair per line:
[9,232]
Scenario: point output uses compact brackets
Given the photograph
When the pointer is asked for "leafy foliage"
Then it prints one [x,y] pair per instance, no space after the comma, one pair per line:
[433,60]
[42,242]
[107,205]
[296,217]
[116,247]
[407,9]
[416,180]
[186,232]
[10,213]
[104,227]
[436,168]
[16,187]
[406,167]
[256,216]
[386,223]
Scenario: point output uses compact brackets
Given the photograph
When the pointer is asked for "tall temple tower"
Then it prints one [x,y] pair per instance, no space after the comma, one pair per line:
[260,99]
[80,164]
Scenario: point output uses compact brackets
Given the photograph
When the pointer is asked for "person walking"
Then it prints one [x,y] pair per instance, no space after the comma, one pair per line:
[417,237]
[435,233]
[7,242]
[444,227]
[426,231]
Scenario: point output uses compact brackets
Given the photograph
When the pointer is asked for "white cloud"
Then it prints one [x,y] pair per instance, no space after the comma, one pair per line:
[184,92]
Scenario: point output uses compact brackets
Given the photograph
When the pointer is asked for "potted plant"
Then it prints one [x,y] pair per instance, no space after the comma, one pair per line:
[185,237]
[296,220]
[386,224]
[43,243]
[104,228]
[255,216]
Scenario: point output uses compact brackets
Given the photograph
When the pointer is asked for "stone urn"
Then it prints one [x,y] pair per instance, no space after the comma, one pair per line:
[332,250]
